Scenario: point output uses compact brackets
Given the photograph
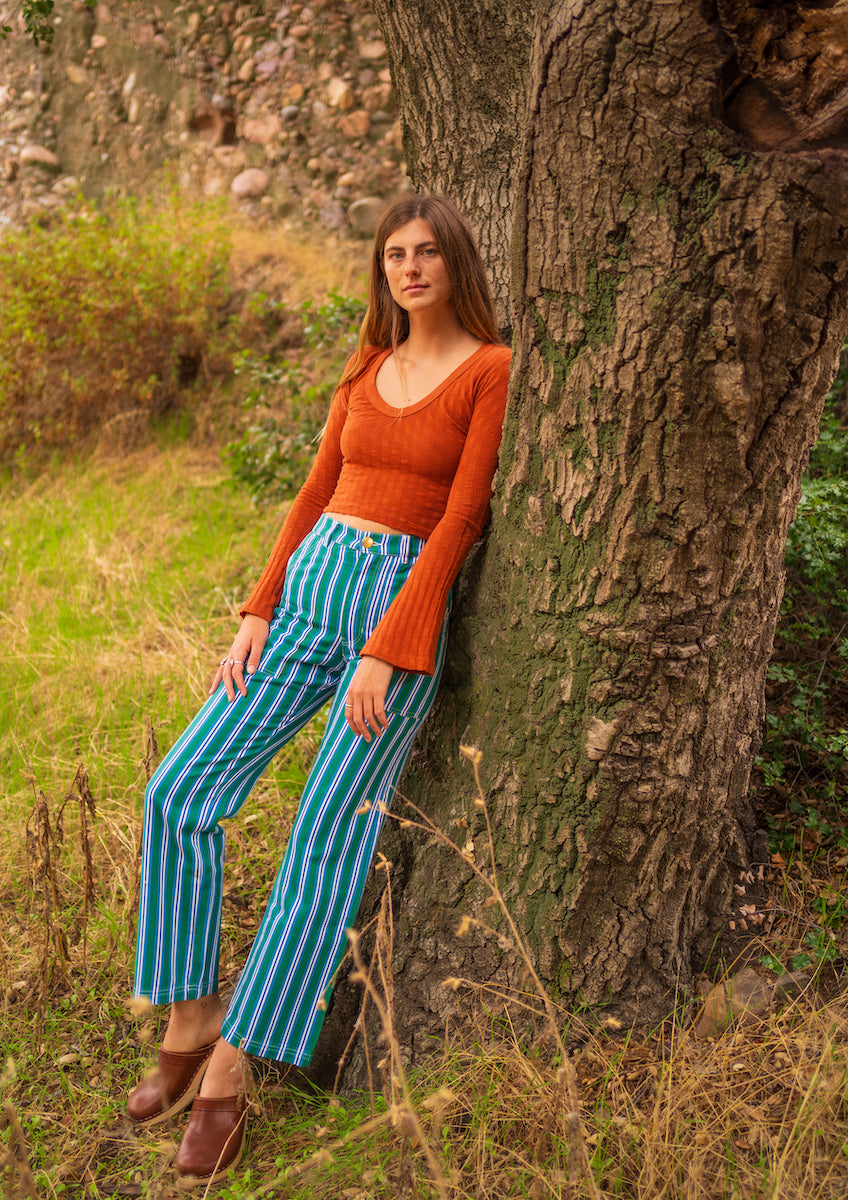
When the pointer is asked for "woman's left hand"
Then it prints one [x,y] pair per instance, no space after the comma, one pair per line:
[365,703]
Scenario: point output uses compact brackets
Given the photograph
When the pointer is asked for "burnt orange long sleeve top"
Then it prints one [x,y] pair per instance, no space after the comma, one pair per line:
[426,470]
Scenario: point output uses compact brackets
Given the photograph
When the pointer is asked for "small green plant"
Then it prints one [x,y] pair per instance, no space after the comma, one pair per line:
[803,759]
[288,401]
[37,15]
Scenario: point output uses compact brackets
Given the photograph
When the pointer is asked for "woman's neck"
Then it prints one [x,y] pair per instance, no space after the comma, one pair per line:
[437,338]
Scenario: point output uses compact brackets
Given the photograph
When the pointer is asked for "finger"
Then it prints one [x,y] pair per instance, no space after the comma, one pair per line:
[357,721]
[227,676]
[361,726]
[238,677]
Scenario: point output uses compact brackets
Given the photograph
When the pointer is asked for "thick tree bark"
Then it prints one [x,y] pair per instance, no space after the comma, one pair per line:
[680,303]
[462,69]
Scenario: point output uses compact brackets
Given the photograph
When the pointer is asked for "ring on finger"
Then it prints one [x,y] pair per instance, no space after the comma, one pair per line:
[223,662]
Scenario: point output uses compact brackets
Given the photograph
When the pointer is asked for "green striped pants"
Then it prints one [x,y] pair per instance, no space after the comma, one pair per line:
[336,590]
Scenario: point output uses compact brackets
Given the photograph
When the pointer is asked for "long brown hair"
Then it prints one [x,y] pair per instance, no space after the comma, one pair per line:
[386,323]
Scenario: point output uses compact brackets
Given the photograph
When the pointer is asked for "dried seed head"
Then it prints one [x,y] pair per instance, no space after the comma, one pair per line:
[471,753]
[139,1006]
[442,1096]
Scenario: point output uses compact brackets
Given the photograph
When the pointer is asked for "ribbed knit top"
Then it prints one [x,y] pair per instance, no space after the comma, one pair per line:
[425,469]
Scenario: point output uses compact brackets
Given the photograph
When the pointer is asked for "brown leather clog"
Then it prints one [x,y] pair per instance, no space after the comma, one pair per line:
[213,1139]
[171,1087]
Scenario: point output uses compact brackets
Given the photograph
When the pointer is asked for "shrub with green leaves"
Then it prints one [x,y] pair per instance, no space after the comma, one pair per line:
[805,748]
[106,312]
[288,401]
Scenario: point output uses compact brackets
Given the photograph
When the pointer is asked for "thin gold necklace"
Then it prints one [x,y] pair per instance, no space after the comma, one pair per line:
[401,381]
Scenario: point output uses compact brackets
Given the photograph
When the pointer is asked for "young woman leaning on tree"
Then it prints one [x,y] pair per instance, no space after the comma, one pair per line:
[352,607]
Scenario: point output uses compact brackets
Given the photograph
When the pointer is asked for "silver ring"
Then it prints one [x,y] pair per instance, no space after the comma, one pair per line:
[221,663]
[348,706]
[232,661]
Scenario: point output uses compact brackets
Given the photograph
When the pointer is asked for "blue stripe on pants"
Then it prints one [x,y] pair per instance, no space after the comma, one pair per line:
[336,591]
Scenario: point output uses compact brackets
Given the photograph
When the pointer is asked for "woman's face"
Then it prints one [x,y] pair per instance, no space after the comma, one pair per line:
[416,273]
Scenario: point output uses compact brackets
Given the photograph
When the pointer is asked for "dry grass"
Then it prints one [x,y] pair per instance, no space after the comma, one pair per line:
[285,262]
[589,1111]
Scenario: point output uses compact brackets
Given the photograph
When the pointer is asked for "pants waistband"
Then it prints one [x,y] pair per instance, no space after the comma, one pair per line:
[389,545]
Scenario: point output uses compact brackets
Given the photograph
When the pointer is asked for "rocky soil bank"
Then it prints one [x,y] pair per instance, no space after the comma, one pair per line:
[287,109]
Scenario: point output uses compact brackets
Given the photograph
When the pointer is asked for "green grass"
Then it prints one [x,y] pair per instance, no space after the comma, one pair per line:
[118,593]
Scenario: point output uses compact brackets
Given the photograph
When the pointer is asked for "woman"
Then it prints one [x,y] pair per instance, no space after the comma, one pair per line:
[352,605]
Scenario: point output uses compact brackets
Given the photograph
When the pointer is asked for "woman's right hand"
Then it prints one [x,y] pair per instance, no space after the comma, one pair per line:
[245,652]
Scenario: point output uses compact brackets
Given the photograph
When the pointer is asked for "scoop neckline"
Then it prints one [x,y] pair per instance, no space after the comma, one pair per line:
[379,403]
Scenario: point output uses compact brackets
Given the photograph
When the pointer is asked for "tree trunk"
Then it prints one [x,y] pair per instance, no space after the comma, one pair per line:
[461,71]
[680,300]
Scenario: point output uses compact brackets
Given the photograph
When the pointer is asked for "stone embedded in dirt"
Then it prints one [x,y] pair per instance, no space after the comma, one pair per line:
[789,987]
[333,216]
[355,124]
[262,130]
[339,93]
[250,184]
[231,157]
[373,51]
[39,156]
[744,996]
[142,33]
[251,25]
[268,49]
[364,215]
